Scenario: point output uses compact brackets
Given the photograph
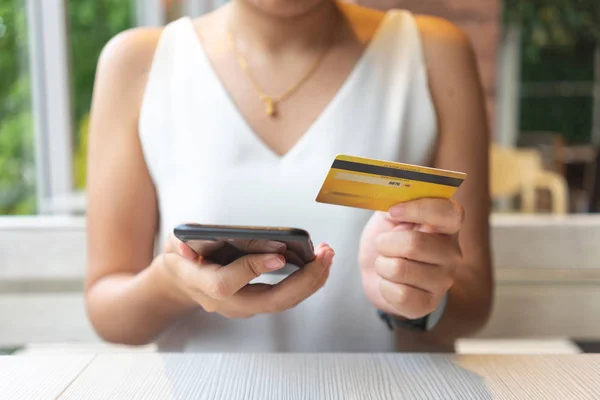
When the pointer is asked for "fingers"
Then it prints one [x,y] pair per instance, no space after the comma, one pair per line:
[186,251]
[408,301]
[446,216]
[259,246]
[427,277]
[294,259]
[224,281]
[226,289]
[291,291]
[174,245]
[419,246]
[220,282]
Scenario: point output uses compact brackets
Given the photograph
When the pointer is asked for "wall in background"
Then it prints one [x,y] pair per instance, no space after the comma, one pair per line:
[481,19]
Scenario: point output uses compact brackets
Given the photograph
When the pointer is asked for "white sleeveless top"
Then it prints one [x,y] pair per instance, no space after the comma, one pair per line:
[210,167]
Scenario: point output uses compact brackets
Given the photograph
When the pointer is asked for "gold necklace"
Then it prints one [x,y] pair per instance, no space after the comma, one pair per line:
[271,102]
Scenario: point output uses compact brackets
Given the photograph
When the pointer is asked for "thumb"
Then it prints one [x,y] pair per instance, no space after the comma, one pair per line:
[186,252]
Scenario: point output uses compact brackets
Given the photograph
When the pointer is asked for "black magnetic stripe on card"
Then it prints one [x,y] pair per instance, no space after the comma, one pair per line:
[397,173]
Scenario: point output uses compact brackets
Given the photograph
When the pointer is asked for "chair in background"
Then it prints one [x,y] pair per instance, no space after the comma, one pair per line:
[579,164]
[551,147]
[520,173]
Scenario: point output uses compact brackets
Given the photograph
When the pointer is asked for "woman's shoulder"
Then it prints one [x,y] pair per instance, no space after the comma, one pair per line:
[364,21]
[131,52]
[447,49]
[125,62]
[436,31]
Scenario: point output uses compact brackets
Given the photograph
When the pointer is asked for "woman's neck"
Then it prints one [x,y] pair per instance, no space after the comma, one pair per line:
[257,30]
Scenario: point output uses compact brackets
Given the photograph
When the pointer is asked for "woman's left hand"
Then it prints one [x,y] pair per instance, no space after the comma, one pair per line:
[408,256]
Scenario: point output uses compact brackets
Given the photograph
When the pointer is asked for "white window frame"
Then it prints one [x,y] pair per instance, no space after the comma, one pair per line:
[150,12]
[196,8]
[508,84]
[52,110]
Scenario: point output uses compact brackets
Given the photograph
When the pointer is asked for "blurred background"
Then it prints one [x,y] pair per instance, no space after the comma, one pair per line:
[540,65]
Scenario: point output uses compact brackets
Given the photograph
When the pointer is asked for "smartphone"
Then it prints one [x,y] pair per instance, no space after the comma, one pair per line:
[224,244]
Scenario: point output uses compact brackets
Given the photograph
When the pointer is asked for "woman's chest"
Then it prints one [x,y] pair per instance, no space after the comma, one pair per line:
[220,172]
[282,98]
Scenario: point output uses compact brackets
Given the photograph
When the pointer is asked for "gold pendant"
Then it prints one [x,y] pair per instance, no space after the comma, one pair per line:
[269,106]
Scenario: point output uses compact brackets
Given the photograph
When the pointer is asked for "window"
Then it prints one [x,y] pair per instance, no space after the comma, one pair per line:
[17,167]
[557,92]
[48,55]
[91,23]
[550,79]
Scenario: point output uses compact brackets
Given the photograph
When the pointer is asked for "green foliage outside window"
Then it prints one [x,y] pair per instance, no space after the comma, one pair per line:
[554,23]
[92,23]
[17,170]
[559,38]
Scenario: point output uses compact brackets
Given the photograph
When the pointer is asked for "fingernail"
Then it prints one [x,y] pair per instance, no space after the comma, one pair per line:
[186,253]
[397,211]
[329,257]
[272,263]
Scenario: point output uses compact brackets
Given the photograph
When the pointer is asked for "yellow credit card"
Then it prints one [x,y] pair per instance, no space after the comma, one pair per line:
[379,185]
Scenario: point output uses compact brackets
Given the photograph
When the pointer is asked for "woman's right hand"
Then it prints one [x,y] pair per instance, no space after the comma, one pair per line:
[226,290]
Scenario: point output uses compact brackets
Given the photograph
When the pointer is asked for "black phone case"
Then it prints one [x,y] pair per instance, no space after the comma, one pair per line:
[224,244]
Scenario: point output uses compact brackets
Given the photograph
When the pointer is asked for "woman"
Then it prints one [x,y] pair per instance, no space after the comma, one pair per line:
[235,118]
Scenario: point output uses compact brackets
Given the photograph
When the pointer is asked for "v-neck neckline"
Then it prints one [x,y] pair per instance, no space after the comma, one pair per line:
[310,131]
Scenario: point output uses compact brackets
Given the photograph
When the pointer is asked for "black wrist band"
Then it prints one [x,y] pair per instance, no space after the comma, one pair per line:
[423,324]
[419,324]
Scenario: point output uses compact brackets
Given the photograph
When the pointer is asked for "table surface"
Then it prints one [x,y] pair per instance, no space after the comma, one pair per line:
[299,376]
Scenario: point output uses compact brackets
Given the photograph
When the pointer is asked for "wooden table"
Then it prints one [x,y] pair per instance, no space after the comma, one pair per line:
[298,376]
